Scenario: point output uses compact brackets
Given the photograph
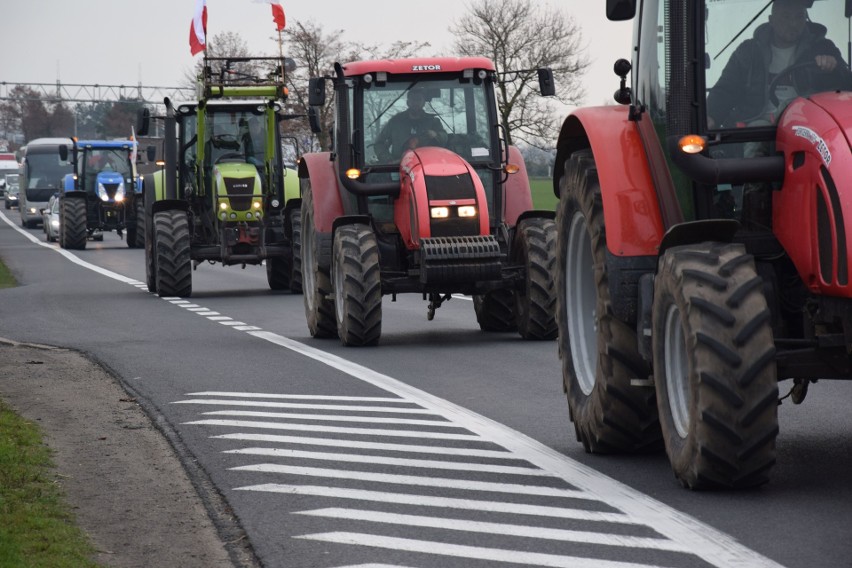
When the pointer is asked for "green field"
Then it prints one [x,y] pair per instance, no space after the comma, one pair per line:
[542,193]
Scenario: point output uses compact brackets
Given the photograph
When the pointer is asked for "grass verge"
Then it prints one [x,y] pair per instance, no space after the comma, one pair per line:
[36,528]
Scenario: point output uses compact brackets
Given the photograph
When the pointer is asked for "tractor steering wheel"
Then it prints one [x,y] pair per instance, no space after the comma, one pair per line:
[231,157]
[226,141]
[787,71]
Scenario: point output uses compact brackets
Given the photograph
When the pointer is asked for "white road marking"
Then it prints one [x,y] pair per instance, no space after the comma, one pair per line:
[219,318]
[467,525]
[382,446]
[474,552]
[337,429]
[343,407]
[208,313]
[331,418]
[232,322]
[403,462]
[445,502]
[223,394]
[416,480]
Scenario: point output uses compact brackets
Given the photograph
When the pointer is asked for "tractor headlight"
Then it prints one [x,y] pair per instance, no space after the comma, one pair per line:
[467,211]
[119,192]
[440,212]
[222,205]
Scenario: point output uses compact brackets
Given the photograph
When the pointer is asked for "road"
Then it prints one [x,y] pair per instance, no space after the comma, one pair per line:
[442,447]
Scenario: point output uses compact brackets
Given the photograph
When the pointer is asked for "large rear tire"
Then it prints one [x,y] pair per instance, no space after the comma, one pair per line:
[296,247]
[495,311]
[150,256]
[714,366]
[319,307]
[599,352]
[535,303]
[72,225]
[278,272]
[356,276]
[173,264]
[140,225]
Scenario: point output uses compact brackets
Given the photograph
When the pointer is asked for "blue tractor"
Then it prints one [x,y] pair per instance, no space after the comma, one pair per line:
[102,194]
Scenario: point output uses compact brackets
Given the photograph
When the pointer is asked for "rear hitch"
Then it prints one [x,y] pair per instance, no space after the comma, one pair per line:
[435,301]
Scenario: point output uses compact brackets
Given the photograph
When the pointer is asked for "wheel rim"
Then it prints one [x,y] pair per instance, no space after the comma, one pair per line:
[308,261]
[675,369]
[581,301]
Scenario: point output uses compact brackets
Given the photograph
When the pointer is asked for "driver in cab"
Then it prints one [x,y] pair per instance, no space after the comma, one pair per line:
[740,97]
[409,129]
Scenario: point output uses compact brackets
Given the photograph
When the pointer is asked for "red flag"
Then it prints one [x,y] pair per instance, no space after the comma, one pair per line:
[278,16]
[198,28]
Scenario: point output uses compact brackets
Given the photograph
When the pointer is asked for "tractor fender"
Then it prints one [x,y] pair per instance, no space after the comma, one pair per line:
[536,214]
[350,220]
[517,196]
[634,225]
[159,203]
[291,184]
[68,183]
[328,205]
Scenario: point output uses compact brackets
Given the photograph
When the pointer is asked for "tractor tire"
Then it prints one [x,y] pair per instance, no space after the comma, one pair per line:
[140,226]
[356,276]
[72,225]
[316,281]
[296,247]
[495,311]
[535,303]
[278,272]
[150,256]
[131,229]
[714,366]
[600,354]
[173,264]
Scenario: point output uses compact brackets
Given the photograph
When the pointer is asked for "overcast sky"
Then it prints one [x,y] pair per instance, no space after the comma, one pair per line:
[124,42]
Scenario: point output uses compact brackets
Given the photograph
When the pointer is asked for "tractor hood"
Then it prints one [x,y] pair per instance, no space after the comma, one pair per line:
[239,193]
[110,186]
[838,106]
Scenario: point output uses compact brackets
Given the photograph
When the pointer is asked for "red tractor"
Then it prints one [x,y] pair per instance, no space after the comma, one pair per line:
[703,254]
[421,193]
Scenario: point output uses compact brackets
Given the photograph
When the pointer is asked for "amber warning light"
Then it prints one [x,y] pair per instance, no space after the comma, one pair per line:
[692,144]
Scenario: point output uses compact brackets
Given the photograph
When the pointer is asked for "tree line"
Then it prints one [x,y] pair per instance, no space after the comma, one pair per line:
[515,34]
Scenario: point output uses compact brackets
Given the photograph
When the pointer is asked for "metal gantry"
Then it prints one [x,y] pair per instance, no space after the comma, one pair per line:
[83,93]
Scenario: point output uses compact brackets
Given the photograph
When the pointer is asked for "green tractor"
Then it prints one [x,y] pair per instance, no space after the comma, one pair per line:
[222,196]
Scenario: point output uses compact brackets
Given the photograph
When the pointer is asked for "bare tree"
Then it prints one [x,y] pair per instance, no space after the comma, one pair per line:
[225,44]
[522,36]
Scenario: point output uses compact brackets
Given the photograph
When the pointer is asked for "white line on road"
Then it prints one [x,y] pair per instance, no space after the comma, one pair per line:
[467,525]
[331,418]
[403,462]
[301,405]
[338,398]
[339,430]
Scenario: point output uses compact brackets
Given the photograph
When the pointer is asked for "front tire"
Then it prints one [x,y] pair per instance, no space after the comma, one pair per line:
[173,265]
[278,273]
[357,282]
[495,311]
[535,303]
[319,307]
[296,247]
[714,366]
[73,223]
[599,352]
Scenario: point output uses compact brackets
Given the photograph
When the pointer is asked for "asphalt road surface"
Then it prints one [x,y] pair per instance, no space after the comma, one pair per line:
[442,447]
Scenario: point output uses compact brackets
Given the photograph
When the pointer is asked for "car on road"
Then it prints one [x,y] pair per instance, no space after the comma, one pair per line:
[11,198]
[50,220]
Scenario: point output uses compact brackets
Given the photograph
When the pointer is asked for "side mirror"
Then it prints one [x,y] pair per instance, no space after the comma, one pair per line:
[63,153]
[619,10]
[313,120]
[143,121]
[151,153]
[848,9]
[545,82]
[623,95]
[316,91]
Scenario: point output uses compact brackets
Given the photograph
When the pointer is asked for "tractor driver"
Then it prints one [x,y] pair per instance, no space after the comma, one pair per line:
[740,97]
[410,128]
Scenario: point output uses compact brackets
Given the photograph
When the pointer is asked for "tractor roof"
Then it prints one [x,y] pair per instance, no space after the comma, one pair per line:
[418,65]
[106,144]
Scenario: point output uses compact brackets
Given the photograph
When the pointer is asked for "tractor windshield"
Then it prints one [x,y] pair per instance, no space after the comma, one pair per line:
[761,55]
[449,113]
[98,160]
[236,135]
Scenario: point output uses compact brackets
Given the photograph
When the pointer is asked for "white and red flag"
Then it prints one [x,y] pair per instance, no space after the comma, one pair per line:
[277,13]
[198,28]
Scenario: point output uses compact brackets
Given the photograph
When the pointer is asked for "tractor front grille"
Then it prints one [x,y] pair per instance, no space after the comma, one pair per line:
[240,192]
[460,259]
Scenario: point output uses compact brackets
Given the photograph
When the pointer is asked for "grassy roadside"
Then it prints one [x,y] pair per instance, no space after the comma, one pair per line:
[36,526]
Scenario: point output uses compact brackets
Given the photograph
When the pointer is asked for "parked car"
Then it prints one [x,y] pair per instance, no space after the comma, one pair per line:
[11,198]
[50,220]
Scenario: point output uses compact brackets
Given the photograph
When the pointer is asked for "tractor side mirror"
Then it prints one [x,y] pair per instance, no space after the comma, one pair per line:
[848,10]
[623,95]
[619,10]
[316,91]
[151,153]
[143,121]
[314,120]
[545,82]
[63,153]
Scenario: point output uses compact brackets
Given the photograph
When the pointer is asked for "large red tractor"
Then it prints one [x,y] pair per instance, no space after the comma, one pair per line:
[703,254]
[430,200]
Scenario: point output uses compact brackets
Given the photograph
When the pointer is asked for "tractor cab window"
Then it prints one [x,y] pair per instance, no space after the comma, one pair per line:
[761,55]
[236,136]
[103,160]
[401,115]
